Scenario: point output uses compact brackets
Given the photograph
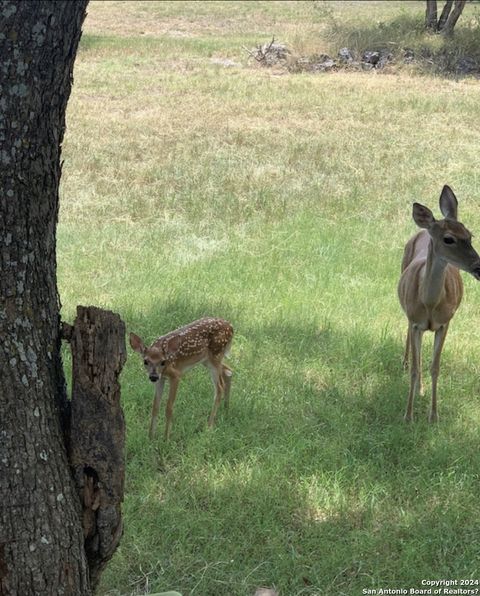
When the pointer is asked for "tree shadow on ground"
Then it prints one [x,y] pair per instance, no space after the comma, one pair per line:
[313,472]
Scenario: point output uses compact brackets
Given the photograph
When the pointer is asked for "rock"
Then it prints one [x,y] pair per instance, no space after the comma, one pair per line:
[371,57]
[345,55]
[315,63]
[466,65]
[324,66]
[273,53]
[408,55]
[385,58]
[376,59]
[270,54]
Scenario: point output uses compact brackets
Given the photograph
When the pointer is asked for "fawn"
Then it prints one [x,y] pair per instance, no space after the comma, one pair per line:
[206,341]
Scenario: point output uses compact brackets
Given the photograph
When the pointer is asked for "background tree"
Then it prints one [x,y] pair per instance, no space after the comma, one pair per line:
[448,18]
[42,540]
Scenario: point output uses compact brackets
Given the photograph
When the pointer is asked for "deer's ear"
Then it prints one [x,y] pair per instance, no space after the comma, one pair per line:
[136,343]
[173,344]
[448,203]
[422,216]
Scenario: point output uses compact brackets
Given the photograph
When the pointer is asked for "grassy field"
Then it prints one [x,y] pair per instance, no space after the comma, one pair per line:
[281,202]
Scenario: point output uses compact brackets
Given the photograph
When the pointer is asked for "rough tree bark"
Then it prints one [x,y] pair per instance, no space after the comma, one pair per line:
[444,16]
[448,18]
[431,15]
[97,430]
[41,538]
[453,17]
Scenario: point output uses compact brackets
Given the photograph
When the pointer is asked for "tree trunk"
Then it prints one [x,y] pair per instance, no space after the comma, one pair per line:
[97,430]
[453,17]
[41,537]
[445,14]
[431,15]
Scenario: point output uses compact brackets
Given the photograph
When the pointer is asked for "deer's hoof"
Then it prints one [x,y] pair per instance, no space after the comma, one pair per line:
[433,417]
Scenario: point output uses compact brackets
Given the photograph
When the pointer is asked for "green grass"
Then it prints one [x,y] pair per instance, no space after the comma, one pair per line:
[281,202]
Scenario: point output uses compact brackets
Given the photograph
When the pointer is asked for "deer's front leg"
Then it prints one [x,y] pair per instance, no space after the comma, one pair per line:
[416,363]
[440,336]
[172,394]
[159,385]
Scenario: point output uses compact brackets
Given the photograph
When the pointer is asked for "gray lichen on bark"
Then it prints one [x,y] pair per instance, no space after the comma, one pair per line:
[41,538]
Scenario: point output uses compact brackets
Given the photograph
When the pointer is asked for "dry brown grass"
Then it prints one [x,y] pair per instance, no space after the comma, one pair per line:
[195,19]
[281,202]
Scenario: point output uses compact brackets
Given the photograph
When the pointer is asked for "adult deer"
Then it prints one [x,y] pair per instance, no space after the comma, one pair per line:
[206,341]
[430,288]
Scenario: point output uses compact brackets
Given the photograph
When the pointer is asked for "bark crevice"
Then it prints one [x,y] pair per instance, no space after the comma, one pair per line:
[96,435]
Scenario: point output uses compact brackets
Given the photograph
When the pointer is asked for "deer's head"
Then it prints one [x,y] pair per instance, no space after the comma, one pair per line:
[155,358]
[451,239]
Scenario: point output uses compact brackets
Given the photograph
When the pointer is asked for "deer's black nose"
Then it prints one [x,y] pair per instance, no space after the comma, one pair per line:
[153,378]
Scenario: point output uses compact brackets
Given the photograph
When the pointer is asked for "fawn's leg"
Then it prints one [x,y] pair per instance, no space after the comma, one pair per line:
[227,381]
[172,394]
[216,372]
[159,385]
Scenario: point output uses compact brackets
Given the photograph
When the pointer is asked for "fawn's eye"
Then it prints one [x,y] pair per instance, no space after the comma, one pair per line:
[162,363]
[145,362]
[449,240]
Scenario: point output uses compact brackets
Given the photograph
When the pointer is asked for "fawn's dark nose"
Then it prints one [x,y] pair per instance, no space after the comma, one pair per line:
[476,272]
[153,378]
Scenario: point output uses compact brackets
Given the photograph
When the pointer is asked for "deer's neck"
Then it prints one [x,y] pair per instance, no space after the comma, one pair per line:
[433,284]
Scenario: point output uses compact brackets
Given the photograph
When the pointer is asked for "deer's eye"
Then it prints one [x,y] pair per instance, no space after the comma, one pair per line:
[162,363]
[145,362]
[449,240]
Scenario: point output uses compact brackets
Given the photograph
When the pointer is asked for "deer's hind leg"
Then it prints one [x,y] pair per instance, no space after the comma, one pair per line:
[227,381]
[407,347]
[216,371]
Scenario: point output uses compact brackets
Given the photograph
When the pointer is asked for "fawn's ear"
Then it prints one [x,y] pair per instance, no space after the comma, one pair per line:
[173,345]
[136,343]
[422,216]
[448,203]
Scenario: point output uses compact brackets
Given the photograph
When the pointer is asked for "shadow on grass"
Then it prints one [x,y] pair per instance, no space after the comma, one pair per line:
[312,483]
[322,378]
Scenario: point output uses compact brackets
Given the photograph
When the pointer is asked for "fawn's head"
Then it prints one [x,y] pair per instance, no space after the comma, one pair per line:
[451,239]
[155,359]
